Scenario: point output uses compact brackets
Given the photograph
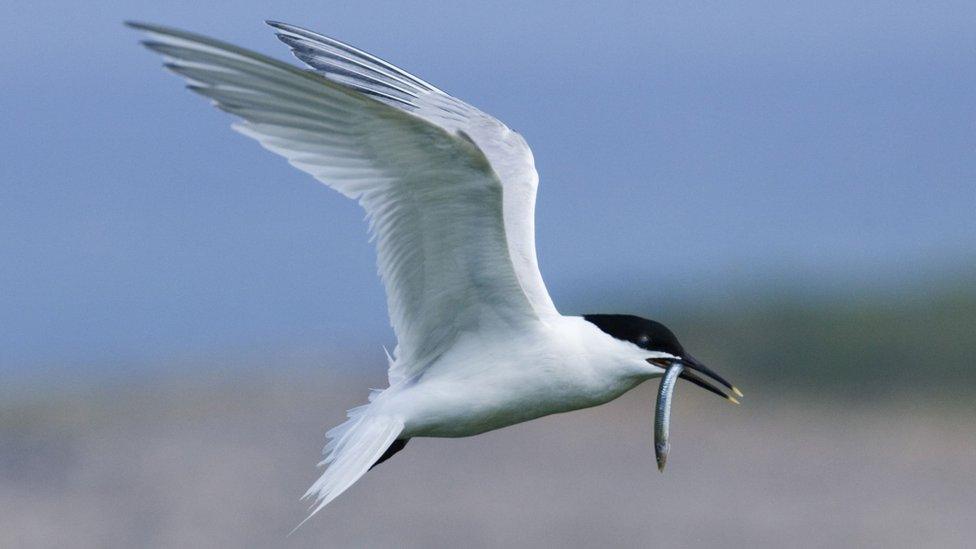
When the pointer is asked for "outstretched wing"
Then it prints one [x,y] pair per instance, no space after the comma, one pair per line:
[433,197]
[506,151]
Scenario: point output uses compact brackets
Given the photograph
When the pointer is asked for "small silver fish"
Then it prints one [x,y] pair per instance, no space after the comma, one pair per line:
[662,415]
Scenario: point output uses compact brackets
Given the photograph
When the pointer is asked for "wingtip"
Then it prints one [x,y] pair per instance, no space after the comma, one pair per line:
[151,27]
[147,27]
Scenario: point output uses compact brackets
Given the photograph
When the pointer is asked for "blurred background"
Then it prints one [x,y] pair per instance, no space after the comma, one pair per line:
[791,188]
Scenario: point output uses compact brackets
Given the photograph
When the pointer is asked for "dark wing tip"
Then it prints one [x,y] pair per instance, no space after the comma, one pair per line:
[150,27]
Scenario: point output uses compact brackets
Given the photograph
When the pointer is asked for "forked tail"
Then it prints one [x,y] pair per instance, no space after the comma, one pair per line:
[352,449]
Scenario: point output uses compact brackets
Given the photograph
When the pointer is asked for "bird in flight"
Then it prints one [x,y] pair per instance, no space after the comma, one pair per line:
[449,193]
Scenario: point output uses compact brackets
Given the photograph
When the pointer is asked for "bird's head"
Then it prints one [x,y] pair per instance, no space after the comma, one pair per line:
[663,345]
[675,363]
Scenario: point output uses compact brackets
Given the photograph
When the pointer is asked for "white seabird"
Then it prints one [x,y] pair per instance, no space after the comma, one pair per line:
[449,192]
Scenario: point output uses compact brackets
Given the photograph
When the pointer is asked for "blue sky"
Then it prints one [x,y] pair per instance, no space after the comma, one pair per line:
[683,149]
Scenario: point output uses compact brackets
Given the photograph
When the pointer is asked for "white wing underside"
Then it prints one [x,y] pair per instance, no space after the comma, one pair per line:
[448,190]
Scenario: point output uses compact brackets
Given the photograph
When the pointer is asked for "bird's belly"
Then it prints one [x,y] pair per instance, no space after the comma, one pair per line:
[473,405]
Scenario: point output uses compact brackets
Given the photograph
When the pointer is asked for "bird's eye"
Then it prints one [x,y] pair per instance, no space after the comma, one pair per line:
[643,340]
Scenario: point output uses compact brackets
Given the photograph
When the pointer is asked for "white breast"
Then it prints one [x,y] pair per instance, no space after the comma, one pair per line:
[496,380]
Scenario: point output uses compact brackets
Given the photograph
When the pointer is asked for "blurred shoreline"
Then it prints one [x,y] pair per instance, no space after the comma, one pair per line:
[860,343]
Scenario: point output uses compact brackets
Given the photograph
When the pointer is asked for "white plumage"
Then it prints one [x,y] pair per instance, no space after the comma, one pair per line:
[450,195]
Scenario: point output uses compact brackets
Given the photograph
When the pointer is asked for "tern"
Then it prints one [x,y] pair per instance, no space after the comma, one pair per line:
[449,194]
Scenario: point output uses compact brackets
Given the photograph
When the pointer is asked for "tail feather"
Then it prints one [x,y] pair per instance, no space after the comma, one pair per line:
[352,449]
